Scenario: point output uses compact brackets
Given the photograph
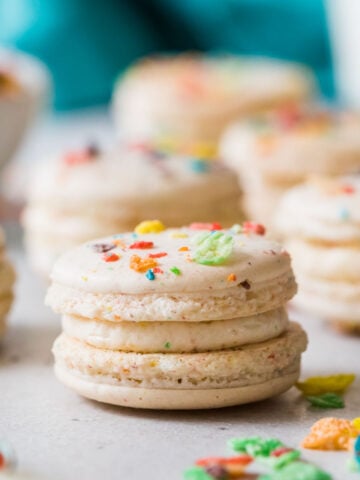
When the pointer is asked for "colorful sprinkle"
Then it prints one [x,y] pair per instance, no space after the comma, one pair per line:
[175,270]
[150,226]
[205,226]
[330,434]
[150,275]
[326,400]
[158,270]
[231,277]
[179,235]
[111,257]
[252,227]
[199,166]
[344,214]
[157,255]
[183,249]
[142,245]
[102,247]
[142,265]
[337,383]
[213,248]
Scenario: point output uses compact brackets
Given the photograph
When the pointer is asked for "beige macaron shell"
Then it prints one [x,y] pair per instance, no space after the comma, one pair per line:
[85,285]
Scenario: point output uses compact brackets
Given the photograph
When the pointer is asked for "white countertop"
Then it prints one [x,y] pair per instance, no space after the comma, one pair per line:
[60,436]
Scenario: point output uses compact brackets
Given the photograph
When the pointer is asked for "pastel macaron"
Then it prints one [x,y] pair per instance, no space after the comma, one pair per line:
[320,222]
[7,280]
[90,193]
[274,151]
[191,98]
[182,318]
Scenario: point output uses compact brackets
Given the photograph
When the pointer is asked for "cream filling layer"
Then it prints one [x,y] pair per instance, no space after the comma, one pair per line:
[147,337]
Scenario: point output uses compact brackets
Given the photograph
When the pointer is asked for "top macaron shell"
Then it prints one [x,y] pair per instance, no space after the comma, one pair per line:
[323,209]
[131,177]
[288,144]
[159,94]
[256,277]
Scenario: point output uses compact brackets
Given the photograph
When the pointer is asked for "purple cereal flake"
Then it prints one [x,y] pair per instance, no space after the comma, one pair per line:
[102,247]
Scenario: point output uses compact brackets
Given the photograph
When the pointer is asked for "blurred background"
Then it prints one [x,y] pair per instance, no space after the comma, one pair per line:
[87,44]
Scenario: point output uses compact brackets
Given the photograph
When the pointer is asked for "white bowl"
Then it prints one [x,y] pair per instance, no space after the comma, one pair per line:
[18,108]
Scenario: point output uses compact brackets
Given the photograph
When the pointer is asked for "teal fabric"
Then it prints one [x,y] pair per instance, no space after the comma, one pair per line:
[86,43]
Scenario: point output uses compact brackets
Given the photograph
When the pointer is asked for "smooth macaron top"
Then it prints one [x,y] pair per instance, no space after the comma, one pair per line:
[134,173]
[196,259]
[323,208]
[291,142]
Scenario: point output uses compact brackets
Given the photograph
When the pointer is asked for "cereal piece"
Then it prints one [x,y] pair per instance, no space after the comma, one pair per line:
[333,383]
[255,446]
[150,226]
[150,275]
[213,248]
[330,434]
[231,277]
[297,471]
[141,265]
[157,255]
[197,473]
[198,165]
[183,249]
[111,257]
[252,227]
[326,400]
[357,450]
[175,270]
[205,226]
[102,247]
[356,423]
[141,245]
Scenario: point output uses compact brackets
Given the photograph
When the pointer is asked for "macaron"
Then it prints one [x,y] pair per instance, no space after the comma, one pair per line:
[190,98]
[90,193]
[273,151]
[7,280]
[182,318]
[320,223]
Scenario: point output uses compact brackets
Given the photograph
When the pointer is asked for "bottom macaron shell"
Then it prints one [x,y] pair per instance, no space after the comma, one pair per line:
[162,399]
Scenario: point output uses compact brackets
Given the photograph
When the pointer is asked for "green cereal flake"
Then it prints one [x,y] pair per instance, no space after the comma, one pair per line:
[167,345]
[196,473]
[213,248]
[326,400]
[297,471]
[175,270]
[255,446]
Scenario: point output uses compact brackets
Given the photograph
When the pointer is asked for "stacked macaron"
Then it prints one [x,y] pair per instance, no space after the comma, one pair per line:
[87,194]
[320,221]
[191,98]
[274,151]
[7,279]
[179,318]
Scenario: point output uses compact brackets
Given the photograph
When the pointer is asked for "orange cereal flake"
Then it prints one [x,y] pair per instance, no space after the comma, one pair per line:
[331,434]
[231,277]
[142,265]
[183,249]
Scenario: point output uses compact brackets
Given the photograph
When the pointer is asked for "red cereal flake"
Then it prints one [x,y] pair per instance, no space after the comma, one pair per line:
[110,257]
[158,270]
[142,245]
[280,451]
[78,158]
[348,189]
[252,227]
[237,460]
[157,255]
[205,226]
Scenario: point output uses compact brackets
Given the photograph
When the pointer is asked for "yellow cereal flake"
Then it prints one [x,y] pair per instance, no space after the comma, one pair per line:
[356,423]
[331,434]
[333,383]
[179,235]
[142,265]
[153,363]
[150,226]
